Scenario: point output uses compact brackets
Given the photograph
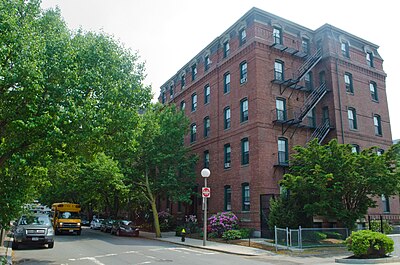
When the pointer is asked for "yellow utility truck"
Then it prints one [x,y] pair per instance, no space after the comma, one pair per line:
[66,218]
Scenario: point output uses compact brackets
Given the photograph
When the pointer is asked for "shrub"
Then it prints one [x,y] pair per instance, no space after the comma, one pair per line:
[314,236]
[166,220]
[376,227]
[334,235]
[212,235]
[178,230]
[246,232]
[191,224]
[223,221]
[369,244]
[232,234]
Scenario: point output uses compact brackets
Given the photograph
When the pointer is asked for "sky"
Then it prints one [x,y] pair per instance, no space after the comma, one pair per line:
[169,33]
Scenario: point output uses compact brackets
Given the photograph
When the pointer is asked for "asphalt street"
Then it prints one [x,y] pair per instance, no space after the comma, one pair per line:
[95,247]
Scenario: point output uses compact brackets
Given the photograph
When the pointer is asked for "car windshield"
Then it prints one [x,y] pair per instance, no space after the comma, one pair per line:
[69,215]
[126,222]
[34,220]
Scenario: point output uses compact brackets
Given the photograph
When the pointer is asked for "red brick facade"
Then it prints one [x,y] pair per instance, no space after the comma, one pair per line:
[261,89]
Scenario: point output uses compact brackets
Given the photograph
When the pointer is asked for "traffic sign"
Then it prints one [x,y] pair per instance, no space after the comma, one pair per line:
[206,192]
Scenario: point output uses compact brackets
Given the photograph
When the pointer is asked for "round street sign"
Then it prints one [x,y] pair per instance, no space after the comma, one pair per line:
[206,192]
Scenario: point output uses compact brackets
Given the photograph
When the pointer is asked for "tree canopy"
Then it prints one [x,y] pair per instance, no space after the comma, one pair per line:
[333,182]
[63,95]
[162,165]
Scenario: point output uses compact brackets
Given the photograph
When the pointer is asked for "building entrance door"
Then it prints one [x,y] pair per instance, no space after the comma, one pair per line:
[266,232]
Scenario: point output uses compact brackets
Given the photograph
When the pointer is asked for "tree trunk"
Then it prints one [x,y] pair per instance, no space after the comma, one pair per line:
[155,217]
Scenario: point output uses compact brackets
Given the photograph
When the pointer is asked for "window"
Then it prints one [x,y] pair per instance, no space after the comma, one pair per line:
[355,148]
[194,102]
[207,62]
[386,203]
[163,97]
[370,59]
[245,197]
[227,198]
[373,90]
[305,45]
[206,156]
[242,37]
[183,81]
[226,49]
[277,35]
[243,72]
[206,126]
[194,72]
[193,131]
[171,91]
[207,92]
[348,80]
[227,118]
[311,118]
[352,116]
[345,49]
[283,155]
[322,77]
[227,156]
[245,151]
[278,71]
[244,110]
[280,109]
[325,115]
[377,125]
[227,83]
[308,81]
[183,104]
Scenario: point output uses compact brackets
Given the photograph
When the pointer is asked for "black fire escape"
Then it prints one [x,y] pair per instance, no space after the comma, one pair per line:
[297,117]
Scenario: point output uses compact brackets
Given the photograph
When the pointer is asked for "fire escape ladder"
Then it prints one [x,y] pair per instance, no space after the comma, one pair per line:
[312,100]
[310,62]
[321,132]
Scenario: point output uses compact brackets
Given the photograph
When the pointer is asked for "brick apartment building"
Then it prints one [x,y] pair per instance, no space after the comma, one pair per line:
[266,85]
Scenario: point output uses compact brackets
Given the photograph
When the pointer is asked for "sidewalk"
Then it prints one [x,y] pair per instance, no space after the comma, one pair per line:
[5,252]
[327,258]
[210,245]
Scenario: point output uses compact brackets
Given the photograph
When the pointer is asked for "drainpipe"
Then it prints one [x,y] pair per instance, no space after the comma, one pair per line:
[340,100]
[338,89]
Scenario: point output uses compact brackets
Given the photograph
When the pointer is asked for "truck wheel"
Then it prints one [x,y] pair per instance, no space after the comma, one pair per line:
[79,232]
[50,245]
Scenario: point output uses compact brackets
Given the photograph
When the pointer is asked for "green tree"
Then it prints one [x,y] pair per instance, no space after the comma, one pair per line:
[63,95]
[162,164]
[332,181]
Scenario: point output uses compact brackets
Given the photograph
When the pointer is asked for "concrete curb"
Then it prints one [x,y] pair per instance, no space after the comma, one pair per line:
[176,241]
[208,248]
[369,261]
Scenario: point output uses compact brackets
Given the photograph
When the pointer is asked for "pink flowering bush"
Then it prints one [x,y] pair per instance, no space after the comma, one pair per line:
[223,221]
[167,222]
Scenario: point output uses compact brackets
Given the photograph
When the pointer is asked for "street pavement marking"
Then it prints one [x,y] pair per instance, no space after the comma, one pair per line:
[94,260]
[131,252]
[178,249]
[144,262]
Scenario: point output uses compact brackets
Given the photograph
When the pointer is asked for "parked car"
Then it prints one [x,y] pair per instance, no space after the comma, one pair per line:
[124,228]
[106,225]
[95,223]
[33,229]
[85,221]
